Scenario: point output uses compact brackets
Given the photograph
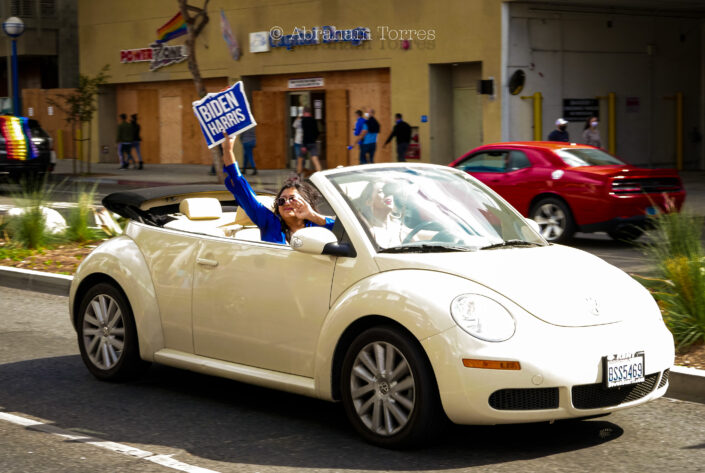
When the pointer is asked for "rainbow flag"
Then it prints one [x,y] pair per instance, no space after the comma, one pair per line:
[172,29]
[18,142]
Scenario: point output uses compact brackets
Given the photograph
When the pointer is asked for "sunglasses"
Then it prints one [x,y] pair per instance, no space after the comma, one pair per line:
[284,200]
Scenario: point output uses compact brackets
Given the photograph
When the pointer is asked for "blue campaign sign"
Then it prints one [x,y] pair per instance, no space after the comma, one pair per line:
[227,110]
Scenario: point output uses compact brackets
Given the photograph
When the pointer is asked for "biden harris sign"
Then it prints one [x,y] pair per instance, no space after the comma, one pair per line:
[226,111]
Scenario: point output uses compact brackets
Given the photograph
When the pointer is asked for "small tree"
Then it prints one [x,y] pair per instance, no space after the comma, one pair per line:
[80,105]
[194,25]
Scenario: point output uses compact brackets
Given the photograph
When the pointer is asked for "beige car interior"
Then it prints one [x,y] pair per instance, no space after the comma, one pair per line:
[205,215]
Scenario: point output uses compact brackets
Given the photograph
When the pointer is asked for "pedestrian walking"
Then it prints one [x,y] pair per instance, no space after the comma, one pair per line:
[359,124]
[402,133]
[368,138]
[310,135]
[560,133]
[249,141]
[124,142]
[591,135]
[136,138]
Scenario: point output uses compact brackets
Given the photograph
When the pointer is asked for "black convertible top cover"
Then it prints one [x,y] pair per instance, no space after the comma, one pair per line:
[136,197]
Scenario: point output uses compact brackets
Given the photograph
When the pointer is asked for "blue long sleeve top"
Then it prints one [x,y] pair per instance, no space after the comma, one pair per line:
[270,225]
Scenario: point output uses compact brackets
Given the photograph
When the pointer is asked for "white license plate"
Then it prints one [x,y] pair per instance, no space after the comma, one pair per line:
[621,370]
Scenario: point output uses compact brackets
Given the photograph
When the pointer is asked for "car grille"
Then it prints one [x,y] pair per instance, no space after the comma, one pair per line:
[648,185]
[524,399]
[593,396]
[664,379]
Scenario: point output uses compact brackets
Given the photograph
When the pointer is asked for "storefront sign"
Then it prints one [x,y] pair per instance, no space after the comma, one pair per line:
[259,42]
[317,35]
[580,110]
[158,54]
[306,83]
[227,111]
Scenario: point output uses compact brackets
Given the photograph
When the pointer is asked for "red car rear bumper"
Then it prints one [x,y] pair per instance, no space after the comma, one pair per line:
[632,210]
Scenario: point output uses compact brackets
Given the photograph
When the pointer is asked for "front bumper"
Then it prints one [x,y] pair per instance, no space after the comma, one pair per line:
[560,375]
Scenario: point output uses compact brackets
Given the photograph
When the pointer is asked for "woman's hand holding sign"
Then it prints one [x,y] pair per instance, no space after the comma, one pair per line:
[228,154]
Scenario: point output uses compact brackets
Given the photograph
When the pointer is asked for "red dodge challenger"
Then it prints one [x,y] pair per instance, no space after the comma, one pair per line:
[568,187]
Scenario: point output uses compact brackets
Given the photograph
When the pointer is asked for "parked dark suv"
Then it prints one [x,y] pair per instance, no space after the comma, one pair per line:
[44,163]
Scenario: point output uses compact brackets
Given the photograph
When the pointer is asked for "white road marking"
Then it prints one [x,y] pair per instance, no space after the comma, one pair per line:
[164,460]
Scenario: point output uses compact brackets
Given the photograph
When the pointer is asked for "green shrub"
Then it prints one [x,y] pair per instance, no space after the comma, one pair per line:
[78,222]
[676,234]
[29,228]
[679,285]
[681,296]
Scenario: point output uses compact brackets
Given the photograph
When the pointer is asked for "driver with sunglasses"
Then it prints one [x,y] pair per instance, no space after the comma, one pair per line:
[294,206]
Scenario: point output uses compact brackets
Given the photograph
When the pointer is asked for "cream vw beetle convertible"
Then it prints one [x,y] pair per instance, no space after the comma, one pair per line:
[431,299]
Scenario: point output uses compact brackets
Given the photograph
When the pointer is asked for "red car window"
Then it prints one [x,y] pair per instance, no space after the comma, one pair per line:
[488,161]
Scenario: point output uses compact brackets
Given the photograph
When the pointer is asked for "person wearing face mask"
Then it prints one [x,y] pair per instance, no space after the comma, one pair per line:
[591,135]
[402,131]
[560,133]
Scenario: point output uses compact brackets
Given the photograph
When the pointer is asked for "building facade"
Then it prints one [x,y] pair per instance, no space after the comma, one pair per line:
[449,67]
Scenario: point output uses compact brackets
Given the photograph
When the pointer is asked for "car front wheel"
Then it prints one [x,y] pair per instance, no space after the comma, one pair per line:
[107,337]
[554,218]
[389,391]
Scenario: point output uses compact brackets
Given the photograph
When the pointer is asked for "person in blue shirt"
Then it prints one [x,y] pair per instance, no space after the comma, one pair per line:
[368,138]
[294,206]
[359,124]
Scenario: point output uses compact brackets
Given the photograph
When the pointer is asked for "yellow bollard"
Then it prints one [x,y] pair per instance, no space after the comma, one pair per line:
[538,114]
[611,121]
[59,147]
[679,128]
[79,147]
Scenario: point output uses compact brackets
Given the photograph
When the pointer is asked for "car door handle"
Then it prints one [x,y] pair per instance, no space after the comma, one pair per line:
[207,262]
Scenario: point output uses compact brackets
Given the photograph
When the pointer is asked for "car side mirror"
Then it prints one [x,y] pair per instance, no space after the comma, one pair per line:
[319,241]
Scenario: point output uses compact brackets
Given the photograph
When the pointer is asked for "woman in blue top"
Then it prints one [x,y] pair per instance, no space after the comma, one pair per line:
[294,206]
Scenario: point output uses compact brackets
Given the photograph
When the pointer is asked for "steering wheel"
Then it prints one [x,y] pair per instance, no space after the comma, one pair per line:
[430,225]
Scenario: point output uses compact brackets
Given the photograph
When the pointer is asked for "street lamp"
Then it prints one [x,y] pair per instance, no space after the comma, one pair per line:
[14,27]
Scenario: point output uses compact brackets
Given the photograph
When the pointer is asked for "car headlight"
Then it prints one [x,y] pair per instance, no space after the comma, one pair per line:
[482,317]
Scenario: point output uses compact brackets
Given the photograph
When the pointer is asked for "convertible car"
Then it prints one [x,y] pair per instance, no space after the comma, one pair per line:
[431,299]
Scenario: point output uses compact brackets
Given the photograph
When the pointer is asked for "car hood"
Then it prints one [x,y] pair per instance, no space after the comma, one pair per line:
[557,284]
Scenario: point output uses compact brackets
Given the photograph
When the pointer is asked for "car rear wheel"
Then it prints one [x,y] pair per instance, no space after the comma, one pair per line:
[107,337]
[389,391]
[554,218]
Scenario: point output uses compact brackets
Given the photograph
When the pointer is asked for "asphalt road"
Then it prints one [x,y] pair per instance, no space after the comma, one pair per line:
[193,422]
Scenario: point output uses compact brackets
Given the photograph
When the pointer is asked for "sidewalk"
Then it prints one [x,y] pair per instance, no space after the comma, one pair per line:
[154,175]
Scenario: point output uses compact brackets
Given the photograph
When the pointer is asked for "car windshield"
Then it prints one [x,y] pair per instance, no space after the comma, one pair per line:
[412,209]
[576,157]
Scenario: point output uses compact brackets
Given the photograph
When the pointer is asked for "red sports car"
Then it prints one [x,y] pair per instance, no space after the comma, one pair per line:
[567,187]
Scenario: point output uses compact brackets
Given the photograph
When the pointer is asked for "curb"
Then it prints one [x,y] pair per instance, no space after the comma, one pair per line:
[38,281]
[685,384]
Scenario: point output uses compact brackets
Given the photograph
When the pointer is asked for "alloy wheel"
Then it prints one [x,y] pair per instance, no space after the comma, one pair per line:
[103,331]
[552,221]
[383,388]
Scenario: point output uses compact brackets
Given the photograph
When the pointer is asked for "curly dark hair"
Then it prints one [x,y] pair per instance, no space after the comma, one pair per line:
[305,189]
